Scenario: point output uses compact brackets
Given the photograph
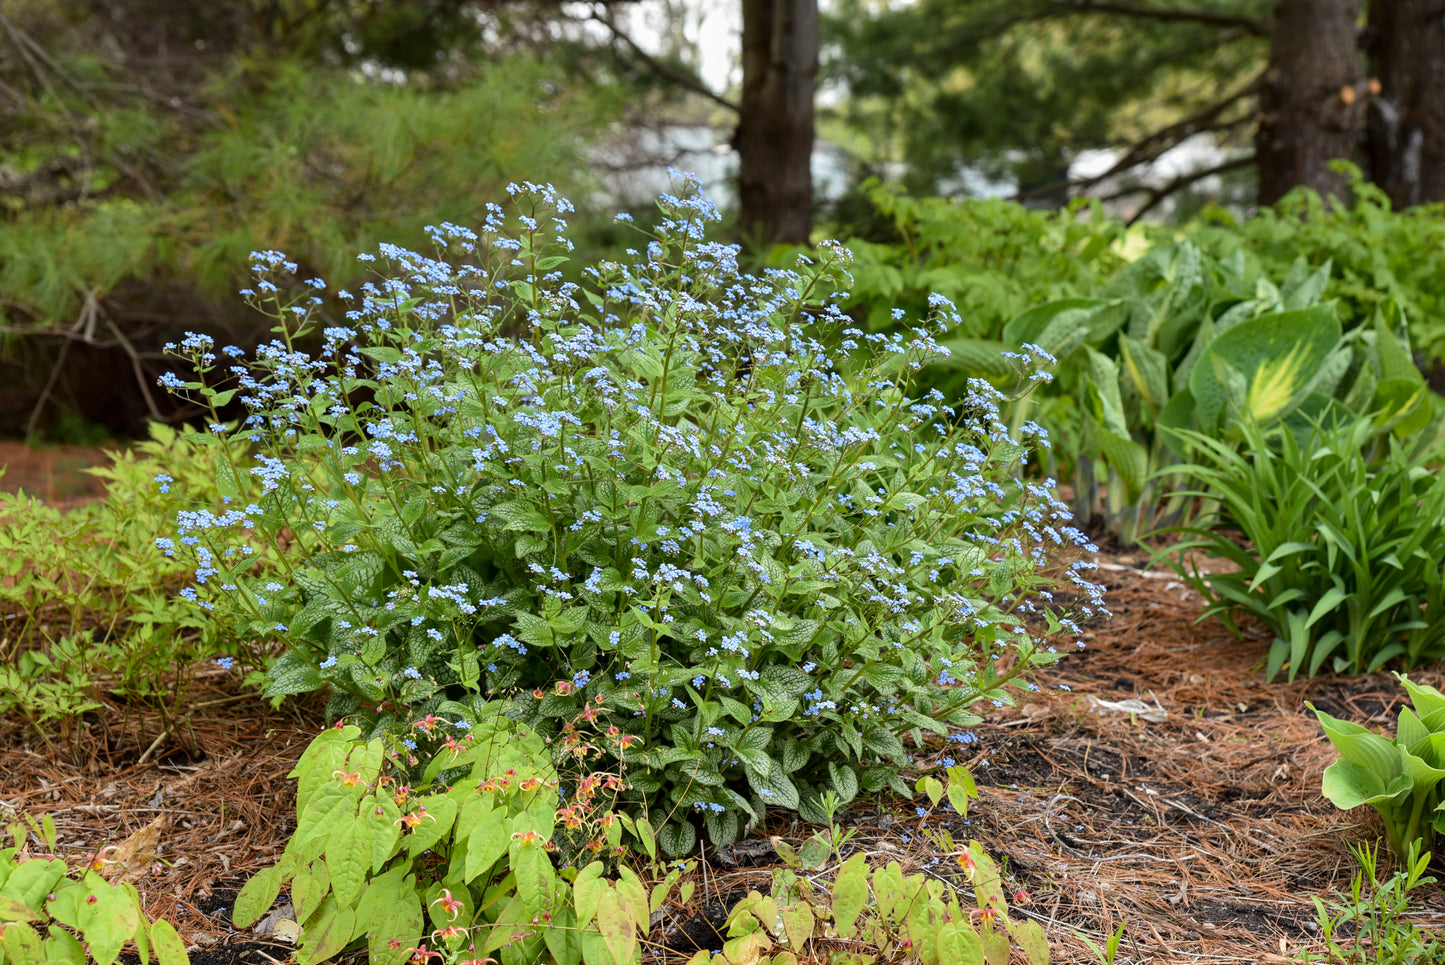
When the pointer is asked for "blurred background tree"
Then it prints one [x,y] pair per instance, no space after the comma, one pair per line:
[150,145]
[949,95]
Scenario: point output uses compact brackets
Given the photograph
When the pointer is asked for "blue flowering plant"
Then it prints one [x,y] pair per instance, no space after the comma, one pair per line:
[697,504]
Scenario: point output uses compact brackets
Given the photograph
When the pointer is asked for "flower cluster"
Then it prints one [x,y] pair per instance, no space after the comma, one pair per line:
[703,500]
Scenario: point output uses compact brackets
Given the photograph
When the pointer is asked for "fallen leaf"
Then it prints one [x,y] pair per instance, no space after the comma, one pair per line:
[132,857]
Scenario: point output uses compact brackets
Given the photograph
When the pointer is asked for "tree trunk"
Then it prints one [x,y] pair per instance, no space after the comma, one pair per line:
[1312,103]
[1405,126]
[774,138]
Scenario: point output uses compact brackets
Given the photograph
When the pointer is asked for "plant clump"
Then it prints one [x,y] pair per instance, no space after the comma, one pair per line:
[696,506]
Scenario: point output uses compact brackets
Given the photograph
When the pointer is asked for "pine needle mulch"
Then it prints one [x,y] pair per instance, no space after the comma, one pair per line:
[1193,814]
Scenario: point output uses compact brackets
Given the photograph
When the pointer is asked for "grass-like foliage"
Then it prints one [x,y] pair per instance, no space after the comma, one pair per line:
[1344,550]
[1370,927]
[697,504]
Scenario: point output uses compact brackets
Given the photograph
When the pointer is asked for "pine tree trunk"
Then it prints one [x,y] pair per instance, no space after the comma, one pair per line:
[774,137]
[1312,104]
[1405,126]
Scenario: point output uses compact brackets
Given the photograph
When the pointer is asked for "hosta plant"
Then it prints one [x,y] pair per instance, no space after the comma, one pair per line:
[1344,545]
[1399,777]
[699,502]
[1178,341]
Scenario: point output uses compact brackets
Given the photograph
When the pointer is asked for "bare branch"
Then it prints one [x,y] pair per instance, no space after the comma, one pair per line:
[604,17]
[1211,18]
[1158,194]
[1150,147]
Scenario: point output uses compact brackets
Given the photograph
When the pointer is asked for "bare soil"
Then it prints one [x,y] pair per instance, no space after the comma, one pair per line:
[56,474]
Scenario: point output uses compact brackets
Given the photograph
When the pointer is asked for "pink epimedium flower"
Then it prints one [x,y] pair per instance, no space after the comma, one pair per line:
[449,904]
[413,818]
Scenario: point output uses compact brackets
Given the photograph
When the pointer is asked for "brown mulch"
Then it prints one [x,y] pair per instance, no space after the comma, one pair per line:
[1204,829]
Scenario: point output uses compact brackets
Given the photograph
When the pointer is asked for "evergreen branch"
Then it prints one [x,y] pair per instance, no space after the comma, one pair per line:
[1211,18]
[667,71]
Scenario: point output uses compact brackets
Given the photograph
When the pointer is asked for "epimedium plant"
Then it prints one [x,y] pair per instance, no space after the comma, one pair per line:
[90,606]
[53,912]
[888,913]
[459,864]
[859,914]
[696,501]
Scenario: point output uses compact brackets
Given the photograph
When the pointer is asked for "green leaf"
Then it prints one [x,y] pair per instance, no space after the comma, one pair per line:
[291,674]
[22,944]
[1277,355]
[349,857]
[169,948]
[256,897]
[1029,935]
[441,811]
[1332,598]
[616,928]
[845,781]
[391,910]
[677,838]
[327,936]
[1360,747]
[1348,785]
[850,894]
[587,892]
[486,844]
[1145,372]
[959,944]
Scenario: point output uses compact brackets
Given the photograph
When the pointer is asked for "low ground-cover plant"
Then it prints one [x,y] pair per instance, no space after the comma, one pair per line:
[51,912]
[492,854]
[1344,542]
[886,913]
[1399,777]
[1369,928]
[696,504]
[459,864]
[89,601]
